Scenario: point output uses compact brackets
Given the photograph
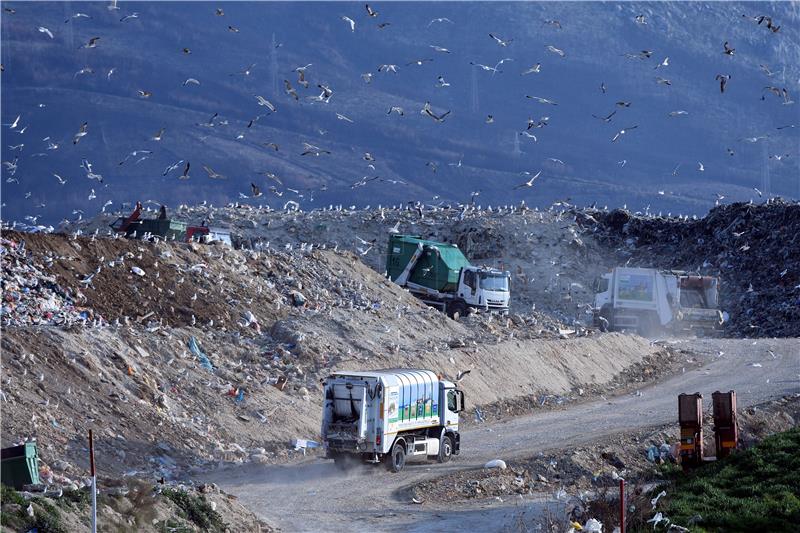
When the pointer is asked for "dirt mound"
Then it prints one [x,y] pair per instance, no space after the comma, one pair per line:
[754,249]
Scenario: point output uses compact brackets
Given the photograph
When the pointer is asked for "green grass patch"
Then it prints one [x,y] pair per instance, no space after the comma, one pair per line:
[196,509]
[753,490]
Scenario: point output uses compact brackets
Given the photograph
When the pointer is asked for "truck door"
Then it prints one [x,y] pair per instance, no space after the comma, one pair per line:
[469,285]
[454,403]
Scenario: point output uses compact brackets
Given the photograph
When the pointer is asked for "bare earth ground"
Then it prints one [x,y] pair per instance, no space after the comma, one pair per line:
[313,495]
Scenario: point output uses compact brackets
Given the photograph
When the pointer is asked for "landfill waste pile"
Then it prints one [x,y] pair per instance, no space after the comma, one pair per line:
[191,356]
[31,296]
[753,248]
[554,256]
[552,264]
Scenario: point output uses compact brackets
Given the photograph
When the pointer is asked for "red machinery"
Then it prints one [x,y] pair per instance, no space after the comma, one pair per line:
[690,417]
[726,427]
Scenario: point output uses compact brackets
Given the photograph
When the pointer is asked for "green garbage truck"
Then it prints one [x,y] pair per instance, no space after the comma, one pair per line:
[440,275]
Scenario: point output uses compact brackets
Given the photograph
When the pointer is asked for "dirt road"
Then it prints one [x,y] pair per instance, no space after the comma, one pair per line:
[313,495]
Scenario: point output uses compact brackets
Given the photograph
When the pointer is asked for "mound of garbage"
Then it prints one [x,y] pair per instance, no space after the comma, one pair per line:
[753,248]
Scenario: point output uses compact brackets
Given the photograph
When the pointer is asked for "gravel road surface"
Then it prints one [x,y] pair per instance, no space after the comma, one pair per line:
[313,495]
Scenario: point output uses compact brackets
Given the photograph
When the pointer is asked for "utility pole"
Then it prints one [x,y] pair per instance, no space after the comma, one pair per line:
[94,482]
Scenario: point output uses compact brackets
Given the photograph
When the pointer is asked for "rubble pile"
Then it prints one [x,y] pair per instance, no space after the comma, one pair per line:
[754,249]
[32,296]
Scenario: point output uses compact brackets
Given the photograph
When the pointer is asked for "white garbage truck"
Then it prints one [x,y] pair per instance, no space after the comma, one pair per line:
[651,301]
[390,416]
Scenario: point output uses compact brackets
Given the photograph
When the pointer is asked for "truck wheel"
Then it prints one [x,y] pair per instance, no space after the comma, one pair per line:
[445,449]
[397,459]
[457,310]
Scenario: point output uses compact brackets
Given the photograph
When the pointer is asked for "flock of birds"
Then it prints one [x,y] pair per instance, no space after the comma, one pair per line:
[181,168]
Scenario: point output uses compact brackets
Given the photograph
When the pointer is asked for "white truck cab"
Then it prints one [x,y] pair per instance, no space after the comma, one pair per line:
[485,288]
[391,416]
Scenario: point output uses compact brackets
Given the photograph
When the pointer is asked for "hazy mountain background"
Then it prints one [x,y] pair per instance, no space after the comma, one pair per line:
[39,82]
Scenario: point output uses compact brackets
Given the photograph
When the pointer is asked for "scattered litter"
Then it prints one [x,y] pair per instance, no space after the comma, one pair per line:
[496,463]
[138,271]
[195,349]
[654,501]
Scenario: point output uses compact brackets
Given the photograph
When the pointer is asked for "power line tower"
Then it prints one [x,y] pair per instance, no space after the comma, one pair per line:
[516,151]
[273,64]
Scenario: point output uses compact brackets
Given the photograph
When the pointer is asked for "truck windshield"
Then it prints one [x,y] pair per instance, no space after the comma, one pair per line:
[494,282]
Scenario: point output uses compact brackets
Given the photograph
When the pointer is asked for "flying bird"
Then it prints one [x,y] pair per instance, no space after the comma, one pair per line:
[185,175]
[144,94]
[441,83]
[396,109]
[440,19]
[528,183]
[439,49]
[172,167]
[678,113]
[158,135]
[700,167]
[310,149]
[418,62]
[77,16]
[723,81]
[533,70]
[426,110]
[541,100]
[255,191]
[622,132]
[129,17]
[233,29]
[191,81]
[500,41]
[343,117]
[351,22]
[264,102]
[47,32]
[663,81]
[290,90]
[82,131]
[606,118]
[371,12]
[388,68]
[212,174]
[555,50]
[727,49]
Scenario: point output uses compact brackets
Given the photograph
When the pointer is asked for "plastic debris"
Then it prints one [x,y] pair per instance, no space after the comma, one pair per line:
[496,463]
[138,271]
[593,526]
[195,349]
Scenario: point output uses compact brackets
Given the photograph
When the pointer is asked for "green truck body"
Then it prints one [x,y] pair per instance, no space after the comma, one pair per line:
[438,268]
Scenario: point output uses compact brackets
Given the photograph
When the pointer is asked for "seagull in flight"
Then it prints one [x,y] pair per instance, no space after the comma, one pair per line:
[606,118]
[533,70]
[528,183]
[371,12]
[700,167]
[622,132]
[84,129]
[542,100]
[47,32]
[212,174]
[723,81]
[77,16]
[342,117]
[440,19]
[172,167]
[500,41]
[310,149]
[388,68]
[555,50]
[441,83]
[129,17]
[264,102]
[439,49]
[350,21]
[185,175]
[426,110]
[396,109]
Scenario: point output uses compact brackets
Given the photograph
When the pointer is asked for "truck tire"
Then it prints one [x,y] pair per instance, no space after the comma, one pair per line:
[397,459]
[445,449]
[457,309]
